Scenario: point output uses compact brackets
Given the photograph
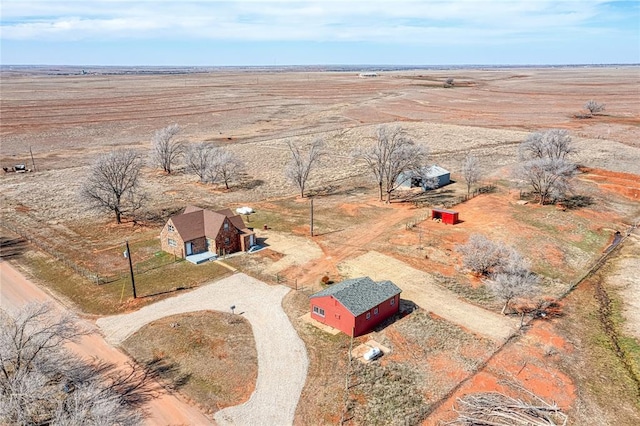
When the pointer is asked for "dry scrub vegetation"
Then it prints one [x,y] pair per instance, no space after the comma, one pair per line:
[210,357]
[69,120]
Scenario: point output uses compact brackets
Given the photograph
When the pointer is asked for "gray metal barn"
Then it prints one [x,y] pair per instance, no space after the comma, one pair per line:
[422,177]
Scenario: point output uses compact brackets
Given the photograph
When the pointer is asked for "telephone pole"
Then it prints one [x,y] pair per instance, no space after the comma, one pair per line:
[133,283]
[311,198]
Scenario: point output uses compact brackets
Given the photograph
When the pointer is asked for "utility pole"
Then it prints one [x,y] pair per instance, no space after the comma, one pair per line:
[128,255]
[33,163]
[311,198]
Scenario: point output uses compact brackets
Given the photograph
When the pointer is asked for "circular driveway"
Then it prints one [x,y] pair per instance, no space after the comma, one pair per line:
[282,357]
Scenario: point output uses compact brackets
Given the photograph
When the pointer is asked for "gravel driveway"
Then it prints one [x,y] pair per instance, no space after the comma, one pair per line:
[419,287]
[282,357]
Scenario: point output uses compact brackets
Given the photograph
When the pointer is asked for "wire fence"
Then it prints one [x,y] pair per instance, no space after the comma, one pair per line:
[50,249]
[452,201]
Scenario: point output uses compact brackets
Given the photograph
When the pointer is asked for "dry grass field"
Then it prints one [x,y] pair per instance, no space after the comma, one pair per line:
[183,346]
[66,120]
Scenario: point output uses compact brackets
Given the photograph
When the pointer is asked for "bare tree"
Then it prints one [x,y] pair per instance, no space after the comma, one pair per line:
[593,107]
[554,144]
[512,280]
[199,157]
[471,171]
[393,154]
[113,183]
[225,167]
[302,163]
[483,256]
[544,164]
[41,382]
[165,147]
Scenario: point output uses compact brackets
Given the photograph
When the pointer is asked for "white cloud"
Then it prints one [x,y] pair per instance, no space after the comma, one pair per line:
[458,21]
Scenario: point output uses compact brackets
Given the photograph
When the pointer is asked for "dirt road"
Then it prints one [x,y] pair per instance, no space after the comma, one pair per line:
[166,409]
[282,357]
[420,288]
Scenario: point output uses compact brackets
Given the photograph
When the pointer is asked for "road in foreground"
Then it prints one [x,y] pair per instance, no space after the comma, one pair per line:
[166,409]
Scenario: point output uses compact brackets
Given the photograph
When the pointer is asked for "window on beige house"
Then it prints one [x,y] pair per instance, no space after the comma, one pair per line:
[170,228]
[172,242]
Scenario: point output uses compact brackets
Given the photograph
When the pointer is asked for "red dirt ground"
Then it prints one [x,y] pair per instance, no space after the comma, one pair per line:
[625,184]
[529,362]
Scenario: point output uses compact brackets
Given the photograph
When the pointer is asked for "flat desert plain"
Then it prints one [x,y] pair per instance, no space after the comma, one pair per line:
[65,119]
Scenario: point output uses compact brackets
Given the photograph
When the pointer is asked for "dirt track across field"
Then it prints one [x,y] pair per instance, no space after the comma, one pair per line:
[419,287]
[282,358]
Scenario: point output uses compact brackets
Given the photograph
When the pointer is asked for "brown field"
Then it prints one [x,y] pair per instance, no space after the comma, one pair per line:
[67,120]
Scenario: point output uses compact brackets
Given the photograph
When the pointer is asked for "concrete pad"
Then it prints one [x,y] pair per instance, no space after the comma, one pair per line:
[326,328]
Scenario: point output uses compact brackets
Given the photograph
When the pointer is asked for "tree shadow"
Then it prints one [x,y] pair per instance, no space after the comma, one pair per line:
[431,197]
[12,247]
[578,202]
[406,307]
[251,184]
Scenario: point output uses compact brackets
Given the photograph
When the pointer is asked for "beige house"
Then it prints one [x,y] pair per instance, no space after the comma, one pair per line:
[198,230]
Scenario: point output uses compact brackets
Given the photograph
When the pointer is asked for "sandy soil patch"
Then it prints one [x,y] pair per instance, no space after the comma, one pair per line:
[421,288]
[296,250]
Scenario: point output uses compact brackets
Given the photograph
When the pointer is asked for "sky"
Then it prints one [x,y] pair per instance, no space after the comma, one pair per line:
[330,32]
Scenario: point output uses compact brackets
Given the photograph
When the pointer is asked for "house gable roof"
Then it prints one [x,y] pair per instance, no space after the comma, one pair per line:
[359,295]
[196,222]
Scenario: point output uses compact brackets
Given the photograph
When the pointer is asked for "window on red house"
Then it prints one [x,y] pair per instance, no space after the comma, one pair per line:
[318,311]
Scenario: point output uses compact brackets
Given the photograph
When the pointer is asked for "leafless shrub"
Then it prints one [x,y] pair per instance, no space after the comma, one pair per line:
[165,148]
[593,107]
[483,256]
[198,159]
[301,164]
[544,164]
[392,154]
[507,272]
[471,171]
[113,183]
[41,382]
[448,82]
[225,167]
[513,279]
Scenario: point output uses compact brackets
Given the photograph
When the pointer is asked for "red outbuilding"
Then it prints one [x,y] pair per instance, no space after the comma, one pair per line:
[357,305]
[446,216]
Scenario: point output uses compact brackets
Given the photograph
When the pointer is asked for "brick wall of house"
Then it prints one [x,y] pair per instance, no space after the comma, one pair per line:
[228,240]
[165,235]
[199,245]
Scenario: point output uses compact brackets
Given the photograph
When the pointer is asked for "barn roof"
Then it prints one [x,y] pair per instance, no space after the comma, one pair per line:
[359,295]
[196,222]
[433,171]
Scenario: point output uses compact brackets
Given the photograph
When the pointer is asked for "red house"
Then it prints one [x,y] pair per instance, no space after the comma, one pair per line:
[446,216]
[355,306]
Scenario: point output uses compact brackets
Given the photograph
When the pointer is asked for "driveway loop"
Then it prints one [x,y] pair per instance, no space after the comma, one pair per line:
[282,357]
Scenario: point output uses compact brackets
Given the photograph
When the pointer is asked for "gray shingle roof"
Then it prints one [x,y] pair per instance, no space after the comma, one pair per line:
[359,295]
